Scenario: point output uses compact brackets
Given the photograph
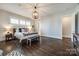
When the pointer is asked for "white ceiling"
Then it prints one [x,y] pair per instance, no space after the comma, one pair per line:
[44,9]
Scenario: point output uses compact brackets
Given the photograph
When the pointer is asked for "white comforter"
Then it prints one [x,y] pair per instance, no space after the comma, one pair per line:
[20,36]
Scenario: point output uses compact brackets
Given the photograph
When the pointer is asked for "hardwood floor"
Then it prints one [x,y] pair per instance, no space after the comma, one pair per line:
[48,47]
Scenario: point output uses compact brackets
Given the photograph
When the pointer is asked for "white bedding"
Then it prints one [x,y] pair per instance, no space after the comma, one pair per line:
[20,35]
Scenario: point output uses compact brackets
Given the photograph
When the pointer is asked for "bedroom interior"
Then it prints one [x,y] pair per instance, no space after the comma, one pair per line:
[39,29]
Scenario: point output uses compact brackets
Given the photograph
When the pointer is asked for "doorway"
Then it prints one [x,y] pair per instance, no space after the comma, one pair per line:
[66,27]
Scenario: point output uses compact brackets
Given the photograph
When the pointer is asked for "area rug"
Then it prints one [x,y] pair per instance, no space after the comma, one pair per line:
[16,52]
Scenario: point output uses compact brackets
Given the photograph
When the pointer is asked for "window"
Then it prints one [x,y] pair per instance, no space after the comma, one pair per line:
[22,22]
[19,22]
[14,21]
[28,23]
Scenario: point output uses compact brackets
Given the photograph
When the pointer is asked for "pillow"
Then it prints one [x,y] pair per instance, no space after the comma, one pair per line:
[26,29]
[18,34]
[23,30]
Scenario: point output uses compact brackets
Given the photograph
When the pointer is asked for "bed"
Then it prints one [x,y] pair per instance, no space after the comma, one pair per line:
[23,34]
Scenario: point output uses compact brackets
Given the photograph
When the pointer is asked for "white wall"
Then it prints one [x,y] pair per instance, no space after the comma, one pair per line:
[58,26]
[5,22]
[51,27]
[73,26]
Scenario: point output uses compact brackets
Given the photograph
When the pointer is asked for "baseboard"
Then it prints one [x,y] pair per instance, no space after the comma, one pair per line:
[50,37]
[67,37]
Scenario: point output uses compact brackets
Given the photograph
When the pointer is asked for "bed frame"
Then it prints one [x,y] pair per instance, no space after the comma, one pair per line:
[29,37]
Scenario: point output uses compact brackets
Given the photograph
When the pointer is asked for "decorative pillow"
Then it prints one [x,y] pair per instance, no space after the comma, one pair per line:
[26,29]
[23,29]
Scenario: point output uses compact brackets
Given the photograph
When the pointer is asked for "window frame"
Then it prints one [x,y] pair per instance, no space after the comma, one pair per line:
[20,22]
[14,23]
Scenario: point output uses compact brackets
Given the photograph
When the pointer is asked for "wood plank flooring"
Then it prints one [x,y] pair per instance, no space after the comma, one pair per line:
[48,47]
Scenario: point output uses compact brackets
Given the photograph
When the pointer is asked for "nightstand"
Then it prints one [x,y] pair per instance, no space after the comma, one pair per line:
[9,36]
